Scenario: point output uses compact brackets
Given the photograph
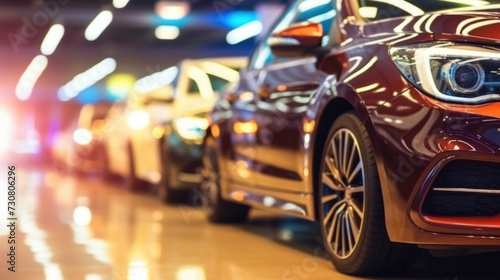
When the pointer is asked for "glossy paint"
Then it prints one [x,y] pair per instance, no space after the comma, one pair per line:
[294,103]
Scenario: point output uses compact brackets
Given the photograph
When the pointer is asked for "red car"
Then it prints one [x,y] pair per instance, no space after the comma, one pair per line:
[378,118]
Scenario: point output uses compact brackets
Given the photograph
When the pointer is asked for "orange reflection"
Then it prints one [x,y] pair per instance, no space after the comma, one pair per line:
[249,127]
[215,131]
[305,29]
[238,196]
[309,126]
[158,131]
[242,169]
[281,88]
[99,123]
[246,96]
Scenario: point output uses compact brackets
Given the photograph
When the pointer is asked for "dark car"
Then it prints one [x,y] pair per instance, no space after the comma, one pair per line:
[196,89]
[379,119]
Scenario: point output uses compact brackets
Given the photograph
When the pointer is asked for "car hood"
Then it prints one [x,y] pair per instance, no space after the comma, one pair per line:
[477,26]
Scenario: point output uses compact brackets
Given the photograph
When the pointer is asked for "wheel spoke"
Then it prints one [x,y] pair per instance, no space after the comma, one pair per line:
[356,171]
[354,151]
[342,229]
[333,210]
[329,182]
[357,210]
[340,147]
[345,147]
[334,223]
[354,225]
[329,198]
[334,171]
[335,153]
[337,235]
[357,189]
[349,233]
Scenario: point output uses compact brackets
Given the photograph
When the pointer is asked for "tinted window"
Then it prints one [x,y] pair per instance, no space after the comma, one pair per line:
[217,83]
[381,9]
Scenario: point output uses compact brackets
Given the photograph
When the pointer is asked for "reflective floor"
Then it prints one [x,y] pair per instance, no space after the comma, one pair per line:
[84,229]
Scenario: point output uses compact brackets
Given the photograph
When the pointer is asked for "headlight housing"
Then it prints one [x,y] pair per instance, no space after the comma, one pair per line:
[452,72]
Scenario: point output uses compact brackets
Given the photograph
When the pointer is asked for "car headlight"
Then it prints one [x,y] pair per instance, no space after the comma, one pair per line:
[191,128]
[451,72]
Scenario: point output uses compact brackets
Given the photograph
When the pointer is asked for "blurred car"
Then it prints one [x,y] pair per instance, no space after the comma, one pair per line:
[80,147]
[379,119]
[134,129]
[196,91]
[150,135]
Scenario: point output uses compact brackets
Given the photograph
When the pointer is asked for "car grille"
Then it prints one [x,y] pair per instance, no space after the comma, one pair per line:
[465,188]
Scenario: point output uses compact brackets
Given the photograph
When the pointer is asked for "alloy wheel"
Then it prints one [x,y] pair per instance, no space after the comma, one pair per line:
[343,193]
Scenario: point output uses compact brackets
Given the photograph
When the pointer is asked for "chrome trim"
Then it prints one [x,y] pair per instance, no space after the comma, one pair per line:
[274,41]
[295,204]
[466,190]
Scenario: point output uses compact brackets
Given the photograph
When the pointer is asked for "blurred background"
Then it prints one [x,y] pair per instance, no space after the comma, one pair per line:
[58,55]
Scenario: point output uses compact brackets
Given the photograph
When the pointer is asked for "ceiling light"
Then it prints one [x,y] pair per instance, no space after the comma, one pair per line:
[98,25]
[27,81]
[157,80]
[244,32]
[52,39]
[172,9]
[167,32]
[86,79]
[120,3]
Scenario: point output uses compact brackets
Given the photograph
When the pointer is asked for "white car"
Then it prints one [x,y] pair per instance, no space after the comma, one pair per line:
[137,128]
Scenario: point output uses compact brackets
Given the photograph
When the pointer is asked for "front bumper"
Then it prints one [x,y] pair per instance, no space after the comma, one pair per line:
[425,150]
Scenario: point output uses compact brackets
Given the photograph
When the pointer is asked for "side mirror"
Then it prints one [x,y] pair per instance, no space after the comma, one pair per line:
[164,94]
[297,39]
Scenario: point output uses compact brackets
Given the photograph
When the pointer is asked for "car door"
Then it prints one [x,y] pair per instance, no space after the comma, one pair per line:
[282,90]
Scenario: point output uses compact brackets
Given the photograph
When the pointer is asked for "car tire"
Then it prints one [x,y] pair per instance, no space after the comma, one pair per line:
[217,209]
[165,192]
[351,208]
[133,183]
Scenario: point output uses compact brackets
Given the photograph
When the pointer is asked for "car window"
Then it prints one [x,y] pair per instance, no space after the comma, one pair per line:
[193,87]
[320,11]
[216,83]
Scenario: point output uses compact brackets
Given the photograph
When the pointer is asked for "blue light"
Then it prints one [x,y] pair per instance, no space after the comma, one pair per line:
[235,19]
[227,19]
[89,95]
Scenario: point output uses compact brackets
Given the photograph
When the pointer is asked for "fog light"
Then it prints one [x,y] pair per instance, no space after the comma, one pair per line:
[465,77]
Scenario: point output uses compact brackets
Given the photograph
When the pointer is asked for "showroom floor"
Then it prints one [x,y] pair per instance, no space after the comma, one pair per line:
[83,229]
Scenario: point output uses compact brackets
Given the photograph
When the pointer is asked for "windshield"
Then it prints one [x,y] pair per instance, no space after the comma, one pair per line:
[382,9]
